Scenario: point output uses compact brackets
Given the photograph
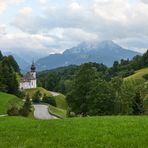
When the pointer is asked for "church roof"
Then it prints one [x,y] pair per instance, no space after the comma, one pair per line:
[27,78]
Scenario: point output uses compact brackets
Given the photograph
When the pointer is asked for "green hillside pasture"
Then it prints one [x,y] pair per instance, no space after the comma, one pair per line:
[96,132]
[32,91]
[7,100]
[138,74]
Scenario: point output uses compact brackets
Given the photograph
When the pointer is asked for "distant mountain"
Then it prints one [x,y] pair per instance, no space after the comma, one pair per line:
[105,52]
[21,62]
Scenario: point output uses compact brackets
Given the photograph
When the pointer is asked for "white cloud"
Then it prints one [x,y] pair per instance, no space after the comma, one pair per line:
[55,27]
[26,11]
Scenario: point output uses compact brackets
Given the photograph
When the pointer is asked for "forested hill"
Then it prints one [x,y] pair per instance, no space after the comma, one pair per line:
[9,70]
[95,89]
[57,79]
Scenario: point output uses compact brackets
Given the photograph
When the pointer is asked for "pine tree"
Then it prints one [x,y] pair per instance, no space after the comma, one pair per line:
[37,97]
[1,56]
[137,104]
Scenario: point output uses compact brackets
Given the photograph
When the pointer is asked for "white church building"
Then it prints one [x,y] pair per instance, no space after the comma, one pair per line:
[29,80]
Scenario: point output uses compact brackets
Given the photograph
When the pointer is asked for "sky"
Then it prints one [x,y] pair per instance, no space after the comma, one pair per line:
[51,26]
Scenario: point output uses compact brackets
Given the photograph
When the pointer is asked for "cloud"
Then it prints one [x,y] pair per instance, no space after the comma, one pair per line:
[26,11]
[52,26]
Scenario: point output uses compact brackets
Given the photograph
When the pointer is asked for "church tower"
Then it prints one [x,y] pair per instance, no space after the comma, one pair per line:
[33,70]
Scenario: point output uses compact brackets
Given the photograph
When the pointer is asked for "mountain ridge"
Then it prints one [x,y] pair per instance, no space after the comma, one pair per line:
[105,52]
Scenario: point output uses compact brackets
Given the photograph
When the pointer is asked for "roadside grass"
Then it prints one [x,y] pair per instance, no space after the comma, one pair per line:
[90,132]
[7,100]
[58,112]
[61,101]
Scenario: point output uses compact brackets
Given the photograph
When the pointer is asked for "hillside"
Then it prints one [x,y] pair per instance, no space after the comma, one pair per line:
[32,91]
[138,74]
[109,132]
[105,52]
[7,100]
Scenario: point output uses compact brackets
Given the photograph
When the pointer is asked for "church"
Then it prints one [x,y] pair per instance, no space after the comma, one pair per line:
[29,80]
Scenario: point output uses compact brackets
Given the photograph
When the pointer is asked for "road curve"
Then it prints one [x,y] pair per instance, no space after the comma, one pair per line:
[41,112]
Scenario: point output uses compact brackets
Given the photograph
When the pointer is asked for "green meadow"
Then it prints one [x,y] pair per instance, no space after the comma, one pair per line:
[138,74]
[89,132]
[7,100]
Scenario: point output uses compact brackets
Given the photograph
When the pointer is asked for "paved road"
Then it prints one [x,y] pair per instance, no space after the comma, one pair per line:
[54,93]
[41,112]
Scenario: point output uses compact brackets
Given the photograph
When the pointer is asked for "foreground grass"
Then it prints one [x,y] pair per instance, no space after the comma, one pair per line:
[7,100]
[100,132]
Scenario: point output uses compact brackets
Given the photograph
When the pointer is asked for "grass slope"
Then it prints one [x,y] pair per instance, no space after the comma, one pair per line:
[61,113]
[101,132]
[61,101]
[138,74]
[7,100]
[32,91]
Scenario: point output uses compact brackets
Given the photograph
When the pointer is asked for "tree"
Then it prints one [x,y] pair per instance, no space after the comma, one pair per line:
[128,91]
[37,97]
[1,56]
[137,104]
[9,76]
[13,111]
[83,83]
[49,100]
[14,64]
[26,109]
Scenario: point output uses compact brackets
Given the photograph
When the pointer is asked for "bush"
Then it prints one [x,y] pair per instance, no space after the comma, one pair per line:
[13,111]
[49,100]
[26,109]
[37,97]
[145,77]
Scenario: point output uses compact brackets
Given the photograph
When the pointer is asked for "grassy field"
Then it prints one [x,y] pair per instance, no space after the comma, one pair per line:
[96,132]
[138,74]
[7,100]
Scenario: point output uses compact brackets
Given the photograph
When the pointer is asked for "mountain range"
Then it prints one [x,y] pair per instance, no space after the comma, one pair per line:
[105,52]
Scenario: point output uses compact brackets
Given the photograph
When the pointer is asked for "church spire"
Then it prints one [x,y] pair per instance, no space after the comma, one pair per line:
[33,68]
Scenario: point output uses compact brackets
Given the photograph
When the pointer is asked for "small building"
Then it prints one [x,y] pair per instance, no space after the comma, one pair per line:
[29,80]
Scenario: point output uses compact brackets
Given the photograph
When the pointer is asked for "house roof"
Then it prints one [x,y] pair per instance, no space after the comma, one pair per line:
[27,78]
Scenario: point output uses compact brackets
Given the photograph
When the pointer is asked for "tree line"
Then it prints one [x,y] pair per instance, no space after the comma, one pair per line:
[95,89]
[8,74]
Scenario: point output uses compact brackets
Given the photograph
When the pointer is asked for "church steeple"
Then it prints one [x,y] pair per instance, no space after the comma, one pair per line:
[33,68]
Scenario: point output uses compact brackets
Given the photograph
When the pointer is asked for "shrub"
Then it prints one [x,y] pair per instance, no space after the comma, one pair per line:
[145,77]
[37,97]
[26,109]
[49,100]
[13,111]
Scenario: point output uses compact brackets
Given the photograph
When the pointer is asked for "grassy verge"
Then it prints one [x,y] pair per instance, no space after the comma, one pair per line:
[58,112]
[95,132]
[61,101]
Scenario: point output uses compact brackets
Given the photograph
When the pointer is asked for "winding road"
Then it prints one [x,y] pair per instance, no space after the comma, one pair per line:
[41,112]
